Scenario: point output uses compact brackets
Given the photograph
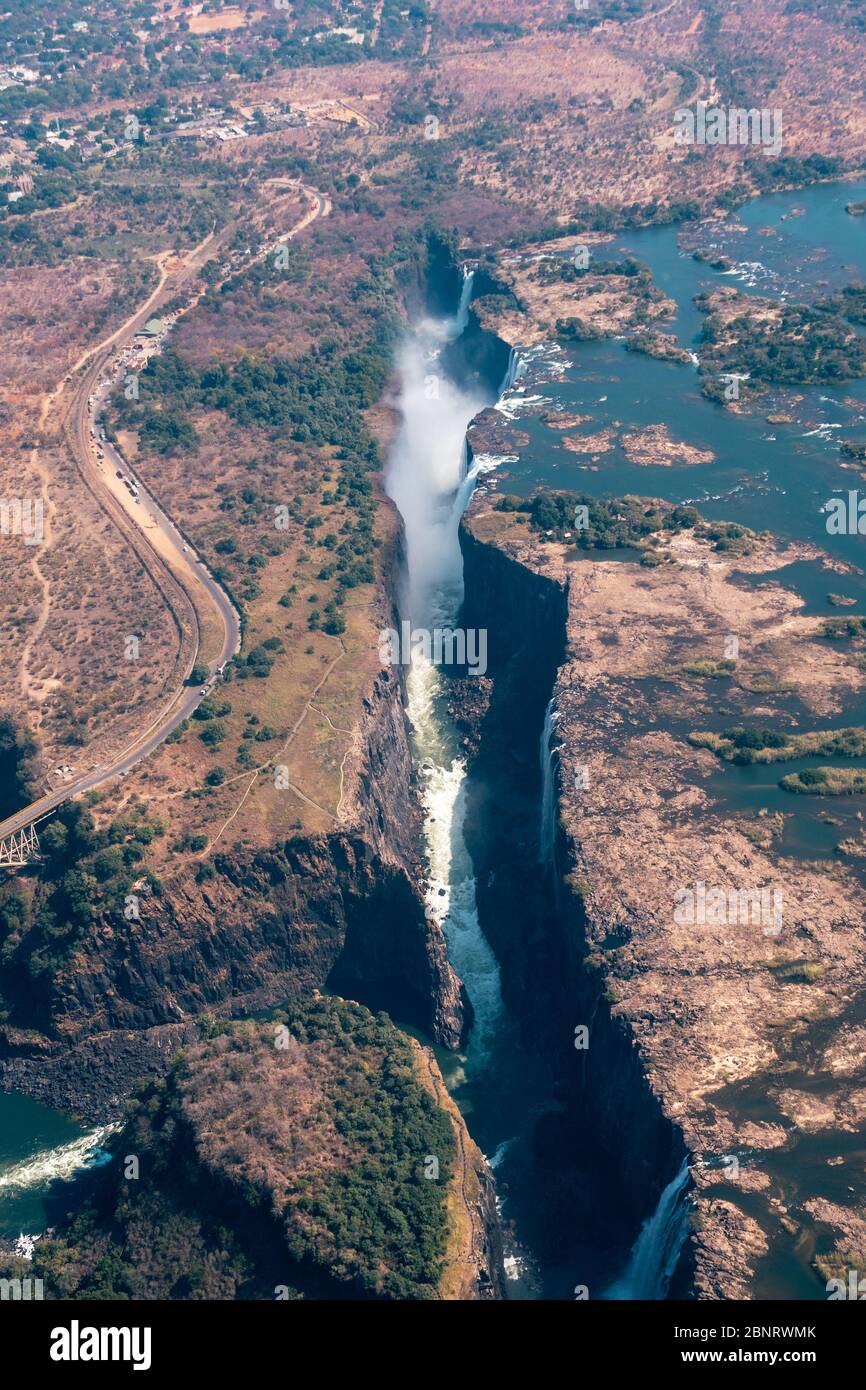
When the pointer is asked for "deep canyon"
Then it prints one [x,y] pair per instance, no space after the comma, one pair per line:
[509,913]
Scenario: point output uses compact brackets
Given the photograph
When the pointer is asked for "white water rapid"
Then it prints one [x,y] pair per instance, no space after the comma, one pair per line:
[64,1162]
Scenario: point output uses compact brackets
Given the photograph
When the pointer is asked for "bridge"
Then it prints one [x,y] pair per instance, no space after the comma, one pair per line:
[20,848]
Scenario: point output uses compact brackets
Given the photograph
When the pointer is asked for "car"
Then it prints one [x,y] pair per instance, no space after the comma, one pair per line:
[118,474]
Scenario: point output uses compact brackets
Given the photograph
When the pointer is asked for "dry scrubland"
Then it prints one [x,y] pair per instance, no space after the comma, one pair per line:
[68,604]
[304,717]
[562,133]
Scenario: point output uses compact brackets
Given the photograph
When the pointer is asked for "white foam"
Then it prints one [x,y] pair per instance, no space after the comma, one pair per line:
[657,1249]
[450,893]
[61,1163]
[511,1266]
[547,753]
[501,1150]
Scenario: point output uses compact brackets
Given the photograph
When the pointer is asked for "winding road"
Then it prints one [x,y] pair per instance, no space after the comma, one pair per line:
[186,586]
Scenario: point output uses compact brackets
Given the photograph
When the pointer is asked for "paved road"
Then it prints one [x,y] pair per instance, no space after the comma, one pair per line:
[170,559]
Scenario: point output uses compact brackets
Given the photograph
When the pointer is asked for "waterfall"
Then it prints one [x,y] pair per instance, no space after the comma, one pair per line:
[430,482]
[513,371]
[657,1249]
[548,786]
[462,317]
[463,495]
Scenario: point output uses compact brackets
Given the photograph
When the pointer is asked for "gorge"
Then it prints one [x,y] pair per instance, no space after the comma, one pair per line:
[569,1213]
[514,783]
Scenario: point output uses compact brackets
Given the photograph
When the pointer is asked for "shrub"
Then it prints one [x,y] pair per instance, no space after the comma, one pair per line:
[213,733]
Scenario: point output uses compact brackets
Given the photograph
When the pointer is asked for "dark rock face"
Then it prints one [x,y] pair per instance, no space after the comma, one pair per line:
[478,358]
[500,716]
[627,1117]
[269,927]
[93,1078]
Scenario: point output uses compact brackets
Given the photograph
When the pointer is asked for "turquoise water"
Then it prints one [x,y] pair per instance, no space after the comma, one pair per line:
[766,476]
[815,247]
